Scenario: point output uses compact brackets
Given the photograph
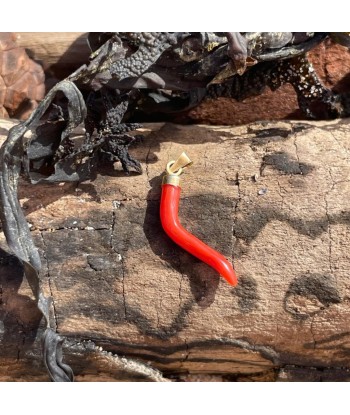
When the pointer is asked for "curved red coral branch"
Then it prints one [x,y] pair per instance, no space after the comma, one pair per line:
[169,207]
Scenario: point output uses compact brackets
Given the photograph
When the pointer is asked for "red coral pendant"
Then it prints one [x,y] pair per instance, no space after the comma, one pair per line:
[169,207]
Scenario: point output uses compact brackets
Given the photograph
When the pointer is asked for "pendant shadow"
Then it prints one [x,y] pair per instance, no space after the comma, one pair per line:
[203,280]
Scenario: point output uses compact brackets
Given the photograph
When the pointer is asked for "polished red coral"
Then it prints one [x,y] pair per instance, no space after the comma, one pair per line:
[169,207]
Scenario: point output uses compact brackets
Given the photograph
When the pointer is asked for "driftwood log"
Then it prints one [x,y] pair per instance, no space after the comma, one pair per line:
[68,48]
[59,52]
[272,196]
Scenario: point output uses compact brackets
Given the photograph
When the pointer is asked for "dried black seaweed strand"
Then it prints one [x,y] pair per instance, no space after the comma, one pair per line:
[15,225]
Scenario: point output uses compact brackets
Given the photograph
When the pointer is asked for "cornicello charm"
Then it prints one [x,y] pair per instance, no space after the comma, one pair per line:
[169,207]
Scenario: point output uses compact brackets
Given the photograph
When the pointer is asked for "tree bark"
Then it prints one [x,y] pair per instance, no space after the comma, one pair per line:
[272,197]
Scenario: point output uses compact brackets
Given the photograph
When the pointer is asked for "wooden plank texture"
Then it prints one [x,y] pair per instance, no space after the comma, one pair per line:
[272,196]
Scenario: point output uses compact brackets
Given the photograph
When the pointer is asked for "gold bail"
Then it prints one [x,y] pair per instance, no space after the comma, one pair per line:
[182,162]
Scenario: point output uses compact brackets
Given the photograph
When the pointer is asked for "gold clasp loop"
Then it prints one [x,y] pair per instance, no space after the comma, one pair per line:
[169,169]
[177,167]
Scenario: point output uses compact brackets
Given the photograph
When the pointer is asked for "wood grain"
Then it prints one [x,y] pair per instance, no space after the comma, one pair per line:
[59,52]
[271,196]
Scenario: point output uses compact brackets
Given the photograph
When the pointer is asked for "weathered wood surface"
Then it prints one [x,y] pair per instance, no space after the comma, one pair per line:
[61,52]
[274,196]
